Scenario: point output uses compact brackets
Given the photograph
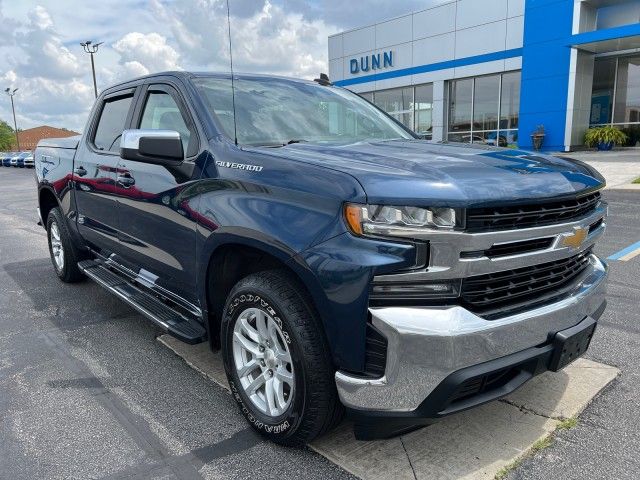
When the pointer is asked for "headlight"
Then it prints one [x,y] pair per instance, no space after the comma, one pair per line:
[385,220]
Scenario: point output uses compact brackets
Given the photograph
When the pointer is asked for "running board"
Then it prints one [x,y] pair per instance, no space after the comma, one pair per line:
[182,326]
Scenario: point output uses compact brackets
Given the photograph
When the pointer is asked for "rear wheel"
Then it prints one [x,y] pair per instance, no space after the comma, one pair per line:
[64,254]
[277,361]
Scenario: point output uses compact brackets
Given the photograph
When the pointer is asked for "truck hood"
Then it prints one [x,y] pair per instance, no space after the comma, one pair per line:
[417,172]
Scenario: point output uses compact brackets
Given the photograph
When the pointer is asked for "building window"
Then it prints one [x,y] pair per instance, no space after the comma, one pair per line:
[485,109]
[510,106]
[604,79]
[615,95]
[411,106]
[397,102]
[627,99]
[423,107]
[461,105]
[367,96]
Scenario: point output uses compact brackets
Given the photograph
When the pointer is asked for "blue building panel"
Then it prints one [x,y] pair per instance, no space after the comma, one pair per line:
[546,60]
[539,40]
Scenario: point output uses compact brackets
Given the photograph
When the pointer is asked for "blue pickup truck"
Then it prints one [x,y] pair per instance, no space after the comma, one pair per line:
[339,262]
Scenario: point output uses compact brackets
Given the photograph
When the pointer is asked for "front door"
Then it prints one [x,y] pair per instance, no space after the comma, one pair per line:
[157,232]
[94,172]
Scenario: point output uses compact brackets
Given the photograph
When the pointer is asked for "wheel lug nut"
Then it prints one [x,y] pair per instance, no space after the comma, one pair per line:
[270,373]
[262,363]
[261,348]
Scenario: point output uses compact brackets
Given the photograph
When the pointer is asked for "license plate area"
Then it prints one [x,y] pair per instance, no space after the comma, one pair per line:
[571,344]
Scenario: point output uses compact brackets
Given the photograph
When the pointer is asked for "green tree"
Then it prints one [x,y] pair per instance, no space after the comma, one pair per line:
[7,137]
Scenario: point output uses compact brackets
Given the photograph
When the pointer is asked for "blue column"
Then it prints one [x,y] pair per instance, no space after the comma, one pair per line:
[545,71]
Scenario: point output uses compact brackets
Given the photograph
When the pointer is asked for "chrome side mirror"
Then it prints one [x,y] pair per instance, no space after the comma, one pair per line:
[161,147]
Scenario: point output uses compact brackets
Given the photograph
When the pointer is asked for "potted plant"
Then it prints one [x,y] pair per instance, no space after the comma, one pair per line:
[604,137]
[537,137]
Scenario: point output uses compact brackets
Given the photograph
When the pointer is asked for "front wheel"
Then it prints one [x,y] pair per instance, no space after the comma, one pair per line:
[276,359]
[64,254]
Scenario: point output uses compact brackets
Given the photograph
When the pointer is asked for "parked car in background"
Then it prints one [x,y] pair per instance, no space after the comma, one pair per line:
[14,159]
[28,160]
[6,159]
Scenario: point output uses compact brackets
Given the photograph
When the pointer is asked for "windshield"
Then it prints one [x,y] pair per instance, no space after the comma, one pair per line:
[275,112]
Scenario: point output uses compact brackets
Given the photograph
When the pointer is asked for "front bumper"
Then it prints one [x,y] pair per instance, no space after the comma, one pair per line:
[426,345]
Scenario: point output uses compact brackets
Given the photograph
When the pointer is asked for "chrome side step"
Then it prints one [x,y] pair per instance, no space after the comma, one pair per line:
[180,325]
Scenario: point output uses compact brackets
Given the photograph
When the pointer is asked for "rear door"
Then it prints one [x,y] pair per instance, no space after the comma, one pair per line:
[157,225]
[94,171]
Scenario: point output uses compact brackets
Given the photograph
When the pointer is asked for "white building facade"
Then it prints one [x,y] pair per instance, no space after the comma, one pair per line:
[495,71]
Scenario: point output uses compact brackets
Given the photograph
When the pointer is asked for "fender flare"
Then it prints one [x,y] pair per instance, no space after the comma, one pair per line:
[262,242]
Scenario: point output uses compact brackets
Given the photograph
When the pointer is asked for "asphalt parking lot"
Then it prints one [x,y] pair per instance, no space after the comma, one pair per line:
[87,392]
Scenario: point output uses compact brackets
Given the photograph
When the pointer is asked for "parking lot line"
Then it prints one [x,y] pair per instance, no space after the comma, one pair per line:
[626,253]
[472,445]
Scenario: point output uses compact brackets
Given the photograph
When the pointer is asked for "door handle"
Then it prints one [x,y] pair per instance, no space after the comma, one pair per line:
[80,171]
[126,180]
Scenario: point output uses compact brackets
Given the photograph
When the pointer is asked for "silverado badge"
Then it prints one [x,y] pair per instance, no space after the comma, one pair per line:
[575,239]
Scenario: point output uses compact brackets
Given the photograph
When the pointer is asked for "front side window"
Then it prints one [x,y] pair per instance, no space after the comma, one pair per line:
[161,112]
[271,112]
[112,122]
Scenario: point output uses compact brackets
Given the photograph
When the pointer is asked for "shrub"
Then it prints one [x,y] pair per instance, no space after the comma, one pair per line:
[633,134]
[604,135]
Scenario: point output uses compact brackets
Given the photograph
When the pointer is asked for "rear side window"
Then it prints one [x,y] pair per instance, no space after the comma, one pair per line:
[111,124]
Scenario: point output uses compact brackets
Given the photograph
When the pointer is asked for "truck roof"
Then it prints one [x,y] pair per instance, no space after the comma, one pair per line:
[185,75]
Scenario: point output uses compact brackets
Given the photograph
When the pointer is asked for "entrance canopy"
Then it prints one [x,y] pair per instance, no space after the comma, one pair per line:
[616,39]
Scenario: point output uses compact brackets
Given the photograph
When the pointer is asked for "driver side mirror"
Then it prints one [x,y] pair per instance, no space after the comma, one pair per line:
[161,147]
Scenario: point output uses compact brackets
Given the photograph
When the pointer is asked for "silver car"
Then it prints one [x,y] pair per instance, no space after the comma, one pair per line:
[14,159]
[27,158]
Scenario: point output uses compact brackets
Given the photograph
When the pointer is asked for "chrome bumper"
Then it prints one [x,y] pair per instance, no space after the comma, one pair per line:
[427,344]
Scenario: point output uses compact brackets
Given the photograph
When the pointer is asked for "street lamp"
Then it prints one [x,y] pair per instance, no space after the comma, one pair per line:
[92,48]
[11,93]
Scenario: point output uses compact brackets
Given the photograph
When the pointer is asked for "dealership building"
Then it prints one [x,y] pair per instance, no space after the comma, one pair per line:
[496,71]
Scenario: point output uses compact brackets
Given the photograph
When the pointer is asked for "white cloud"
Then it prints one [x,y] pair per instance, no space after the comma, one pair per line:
[141,54]
[269,40]
[40,51]
[44,54]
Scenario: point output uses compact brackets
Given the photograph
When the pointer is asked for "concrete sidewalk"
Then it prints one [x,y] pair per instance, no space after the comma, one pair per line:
[618,167]
[476,445]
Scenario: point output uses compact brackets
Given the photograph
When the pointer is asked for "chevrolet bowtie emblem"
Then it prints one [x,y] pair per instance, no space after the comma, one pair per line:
[575,239]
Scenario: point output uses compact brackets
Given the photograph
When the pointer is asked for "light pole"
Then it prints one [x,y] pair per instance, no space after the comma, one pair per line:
[92,48]
[11,93]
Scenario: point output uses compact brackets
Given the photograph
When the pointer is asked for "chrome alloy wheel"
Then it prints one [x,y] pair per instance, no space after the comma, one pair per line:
[57,250]
[263,361]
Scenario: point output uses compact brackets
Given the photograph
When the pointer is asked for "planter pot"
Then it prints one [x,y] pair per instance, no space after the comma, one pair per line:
[537,140]
[605,147]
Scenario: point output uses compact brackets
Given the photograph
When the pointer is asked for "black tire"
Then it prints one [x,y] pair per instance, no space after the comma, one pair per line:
[315,407]
[69,272]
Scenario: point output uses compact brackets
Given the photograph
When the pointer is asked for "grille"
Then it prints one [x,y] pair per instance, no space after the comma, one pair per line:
[484,383]
[502,293]
[526,216]
[512,248]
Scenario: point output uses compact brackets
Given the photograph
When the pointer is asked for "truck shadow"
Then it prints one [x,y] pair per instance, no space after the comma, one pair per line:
[479,440]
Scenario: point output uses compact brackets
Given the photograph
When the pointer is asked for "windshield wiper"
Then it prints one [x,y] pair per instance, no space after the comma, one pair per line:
[279,144]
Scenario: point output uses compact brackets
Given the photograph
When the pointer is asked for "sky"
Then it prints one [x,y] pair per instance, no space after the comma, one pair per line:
[40,52]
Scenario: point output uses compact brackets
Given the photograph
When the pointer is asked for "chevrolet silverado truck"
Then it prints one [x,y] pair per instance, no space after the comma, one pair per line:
[339,262]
